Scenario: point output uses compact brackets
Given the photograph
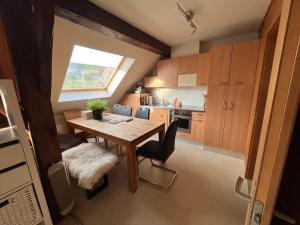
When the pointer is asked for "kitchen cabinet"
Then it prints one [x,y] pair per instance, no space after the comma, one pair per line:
[230,95]
[188,64]
[237,116]
[167,72]
[160,115]
[203,69]
[150,81]
[198,126]
[215,107]
[184,135]
[243,62]
[133,100]
[220,61]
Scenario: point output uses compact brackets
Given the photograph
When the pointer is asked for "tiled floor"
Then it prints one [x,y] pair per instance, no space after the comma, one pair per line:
[202,193]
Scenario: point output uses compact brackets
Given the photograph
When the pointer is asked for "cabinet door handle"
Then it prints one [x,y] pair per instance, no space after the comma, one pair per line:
[230,105]
[224,105]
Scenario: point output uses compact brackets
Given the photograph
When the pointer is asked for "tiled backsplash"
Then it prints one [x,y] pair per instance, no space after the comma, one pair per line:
[188,96]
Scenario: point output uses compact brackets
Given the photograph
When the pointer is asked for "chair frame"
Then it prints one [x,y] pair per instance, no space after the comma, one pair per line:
[169,185]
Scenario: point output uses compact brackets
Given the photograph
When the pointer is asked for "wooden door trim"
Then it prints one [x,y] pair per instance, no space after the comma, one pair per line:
[281,108]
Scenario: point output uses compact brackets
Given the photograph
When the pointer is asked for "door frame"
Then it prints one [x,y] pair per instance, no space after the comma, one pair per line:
[280,113]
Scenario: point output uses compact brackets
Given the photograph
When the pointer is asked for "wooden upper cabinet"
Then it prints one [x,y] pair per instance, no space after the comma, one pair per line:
[215,115]
[150,81]
[167,72]
[188,64]
[244,62]
[203,69]
[237,117]
[219,69]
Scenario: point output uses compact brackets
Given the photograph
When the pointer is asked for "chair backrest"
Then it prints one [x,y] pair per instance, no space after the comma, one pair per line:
[126,111]
[142,113]
[168,143]
[116,109]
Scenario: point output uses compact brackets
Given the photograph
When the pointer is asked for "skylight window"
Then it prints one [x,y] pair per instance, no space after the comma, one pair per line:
[90,69]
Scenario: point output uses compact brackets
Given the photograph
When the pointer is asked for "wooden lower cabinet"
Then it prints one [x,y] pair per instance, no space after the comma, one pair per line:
[160,115]
[237,117]
[198,126]
[133,100]
[215,107]
[228,110]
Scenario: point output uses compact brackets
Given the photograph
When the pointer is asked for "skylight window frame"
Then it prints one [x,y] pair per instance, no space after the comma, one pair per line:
[104,88]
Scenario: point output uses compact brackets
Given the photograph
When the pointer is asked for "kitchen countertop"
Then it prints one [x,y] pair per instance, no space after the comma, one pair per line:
[184,107]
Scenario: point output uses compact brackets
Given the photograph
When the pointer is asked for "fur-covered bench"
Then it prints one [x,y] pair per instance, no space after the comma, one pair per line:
[88,163]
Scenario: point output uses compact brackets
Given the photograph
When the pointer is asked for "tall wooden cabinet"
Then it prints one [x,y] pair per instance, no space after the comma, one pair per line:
[230,90]
[203,68]
[133,100]
[220,61]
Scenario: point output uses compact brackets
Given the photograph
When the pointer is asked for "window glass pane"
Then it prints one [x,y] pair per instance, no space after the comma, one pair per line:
[89,68]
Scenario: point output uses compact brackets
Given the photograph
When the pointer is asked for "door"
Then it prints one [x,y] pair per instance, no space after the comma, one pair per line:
[203,69]
[288,200]
[237,117]
[216,107]
[260,92]
[220,60]
[167,72]
[280,113]
[244,62]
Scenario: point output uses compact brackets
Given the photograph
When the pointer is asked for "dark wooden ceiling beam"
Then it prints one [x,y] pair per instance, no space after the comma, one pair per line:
[28,29]
[90,15]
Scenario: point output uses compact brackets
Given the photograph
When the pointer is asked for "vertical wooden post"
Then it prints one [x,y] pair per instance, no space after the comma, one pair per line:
[28,26]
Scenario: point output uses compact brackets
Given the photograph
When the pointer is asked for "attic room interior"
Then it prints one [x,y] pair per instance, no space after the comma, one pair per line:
[149,112]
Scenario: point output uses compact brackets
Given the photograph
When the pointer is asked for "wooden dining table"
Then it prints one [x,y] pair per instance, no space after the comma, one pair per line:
[128,134]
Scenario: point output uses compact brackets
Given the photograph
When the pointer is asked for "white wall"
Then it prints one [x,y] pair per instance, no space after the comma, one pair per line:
[67,34]
[196,47]
[191,48]
[192,96]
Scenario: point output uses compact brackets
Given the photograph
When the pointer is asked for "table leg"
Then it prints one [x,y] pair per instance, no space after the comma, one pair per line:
[161,134]
[132,169]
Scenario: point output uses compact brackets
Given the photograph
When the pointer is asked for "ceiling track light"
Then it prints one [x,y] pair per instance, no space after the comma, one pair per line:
[188,17]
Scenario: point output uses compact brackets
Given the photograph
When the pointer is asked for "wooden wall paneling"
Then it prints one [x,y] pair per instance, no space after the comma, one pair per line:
[237,117]
[215,111]
[92,16]
[188,64]
[243,62]
[203,68]
[26,39]
[220,61]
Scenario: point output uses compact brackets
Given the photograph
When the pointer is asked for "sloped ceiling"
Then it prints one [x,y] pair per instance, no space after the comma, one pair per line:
[215,19]
[67,34]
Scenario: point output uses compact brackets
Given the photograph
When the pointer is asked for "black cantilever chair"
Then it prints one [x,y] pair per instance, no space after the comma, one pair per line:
[160,151]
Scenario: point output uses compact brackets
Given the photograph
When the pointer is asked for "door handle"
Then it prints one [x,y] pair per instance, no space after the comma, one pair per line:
[284,217]
[238,192]
[230,105]
[224,105]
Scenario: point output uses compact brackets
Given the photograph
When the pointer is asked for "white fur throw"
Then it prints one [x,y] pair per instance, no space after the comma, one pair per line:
[88,162]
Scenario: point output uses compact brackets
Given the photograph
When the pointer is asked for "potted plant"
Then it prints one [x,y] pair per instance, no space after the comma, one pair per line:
[97,106]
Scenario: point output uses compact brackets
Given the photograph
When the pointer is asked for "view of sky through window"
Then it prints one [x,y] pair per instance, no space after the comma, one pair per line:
[90,69]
